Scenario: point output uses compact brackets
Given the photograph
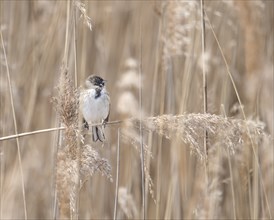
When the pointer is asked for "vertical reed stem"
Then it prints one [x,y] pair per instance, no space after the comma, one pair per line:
[204,83]
[117,176]
[141,130]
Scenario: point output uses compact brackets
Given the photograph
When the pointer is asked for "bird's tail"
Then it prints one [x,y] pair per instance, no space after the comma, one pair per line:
[98,133]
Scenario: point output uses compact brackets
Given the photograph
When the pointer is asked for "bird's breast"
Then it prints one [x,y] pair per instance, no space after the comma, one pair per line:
[94,108]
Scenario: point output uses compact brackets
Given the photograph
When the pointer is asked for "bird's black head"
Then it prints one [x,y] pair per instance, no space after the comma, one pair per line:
[96,81]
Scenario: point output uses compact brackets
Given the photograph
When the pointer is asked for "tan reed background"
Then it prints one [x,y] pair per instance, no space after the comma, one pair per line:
[159,41]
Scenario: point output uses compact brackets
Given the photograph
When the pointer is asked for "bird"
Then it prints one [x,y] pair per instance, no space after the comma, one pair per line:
[95,106]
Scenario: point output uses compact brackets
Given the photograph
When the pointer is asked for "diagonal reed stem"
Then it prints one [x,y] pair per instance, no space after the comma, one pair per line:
[15,127]
[50,130]
[243,113]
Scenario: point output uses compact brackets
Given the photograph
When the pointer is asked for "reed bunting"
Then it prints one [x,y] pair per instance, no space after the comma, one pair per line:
[95,106]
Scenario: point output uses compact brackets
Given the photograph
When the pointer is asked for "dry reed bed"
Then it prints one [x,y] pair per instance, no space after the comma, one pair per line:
[162,41]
